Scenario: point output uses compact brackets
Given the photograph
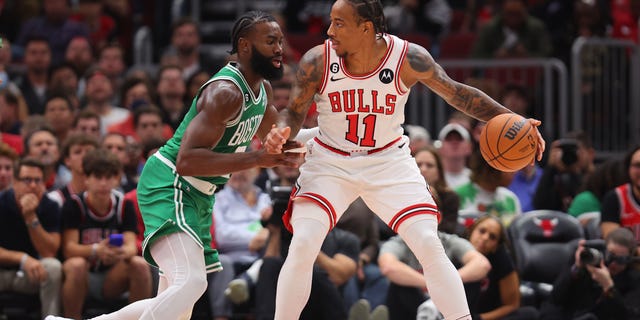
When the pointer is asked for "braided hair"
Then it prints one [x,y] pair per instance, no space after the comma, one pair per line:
[246,23]
[371,10]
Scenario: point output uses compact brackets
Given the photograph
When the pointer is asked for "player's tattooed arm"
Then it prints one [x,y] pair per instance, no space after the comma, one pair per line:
[420,66]
[307,83]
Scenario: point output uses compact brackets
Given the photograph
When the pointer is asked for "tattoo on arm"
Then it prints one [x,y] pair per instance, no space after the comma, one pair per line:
[307,83]
[419,59]
[475,102]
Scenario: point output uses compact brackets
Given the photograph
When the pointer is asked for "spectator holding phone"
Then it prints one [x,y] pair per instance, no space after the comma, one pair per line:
[99,240]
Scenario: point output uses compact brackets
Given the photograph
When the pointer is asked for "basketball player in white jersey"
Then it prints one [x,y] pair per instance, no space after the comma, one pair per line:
[360,80]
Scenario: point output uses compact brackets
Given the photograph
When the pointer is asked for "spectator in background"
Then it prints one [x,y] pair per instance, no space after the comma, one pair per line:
[500,293]
[621,206]
[512,33]
[33,83]
[30,238]
[185,46]
[101,27]
[147,121]
[487,191]
[448,202]
[95,266]
[6,72]
[604,178]
[87,122]
[42,144]
[74,148]
[419,137]
[54,26]
[11,117]
[63,79]
[117,144]
[195,82]
[135,93]
[570,160]
[526,180]
[99,97]
[111,62]
[59,113]
[408,290]
[172,89]
[238,211]
[8,158]
[455,148]
[607,290]
[281,94]
[80,54]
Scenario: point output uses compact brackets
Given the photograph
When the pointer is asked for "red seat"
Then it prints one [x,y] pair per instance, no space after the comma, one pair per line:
[457,45]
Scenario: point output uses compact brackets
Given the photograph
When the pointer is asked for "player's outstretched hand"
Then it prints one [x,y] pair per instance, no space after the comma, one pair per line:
[541,144]
[289,159]
[276,138]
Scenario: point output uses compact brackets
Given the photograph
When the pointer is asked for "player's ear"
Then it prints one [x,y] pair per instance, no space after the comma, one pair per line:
[244,45]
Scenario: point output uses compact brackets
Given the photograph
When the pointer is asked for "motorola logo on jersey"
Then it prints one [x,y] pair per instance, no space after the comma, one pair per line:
[334,68]
[386,76]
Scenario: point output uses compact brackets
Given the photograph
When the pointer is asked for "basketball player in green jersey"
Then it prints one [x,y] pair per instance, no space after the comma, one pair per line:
[176,188]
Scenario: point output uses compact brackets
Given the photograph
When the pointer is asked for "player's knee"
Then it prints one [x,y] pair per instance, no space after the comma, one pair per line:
[196,283]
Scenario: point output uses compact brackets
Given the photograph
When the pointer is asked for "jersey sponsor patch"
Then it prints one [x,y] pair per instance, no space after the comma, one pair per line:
[386,76]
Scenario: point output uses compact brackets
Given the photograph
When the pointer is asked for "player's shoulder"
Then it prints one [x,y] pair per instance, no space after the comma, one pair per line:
[314,55]
[223,89]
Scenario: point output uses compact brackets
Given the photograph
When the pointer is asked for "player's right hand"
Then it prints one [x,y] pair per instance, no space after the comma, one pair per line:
[276,138]
[268,159]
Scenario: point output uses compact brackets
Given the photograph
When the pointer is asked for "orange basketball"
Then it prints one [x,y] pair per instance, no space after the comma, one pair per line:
[508,142]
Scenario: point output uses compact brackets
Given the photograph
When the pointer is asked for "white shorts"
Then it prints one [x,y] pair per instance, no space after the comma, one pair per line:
[389,182]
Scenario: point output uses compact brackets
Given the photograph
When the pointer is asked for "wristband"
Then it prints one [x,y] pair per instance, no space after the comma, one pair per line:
[23,260]
[34,223]
[20,272]
[94,250]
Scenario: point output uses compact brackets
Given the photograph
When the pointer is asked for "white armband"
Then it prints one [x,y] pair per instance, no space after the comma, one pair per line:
[305,135]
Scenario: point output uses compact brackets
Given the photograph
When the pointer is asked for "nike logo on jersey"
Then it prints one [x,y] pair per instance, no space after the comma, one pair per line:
[336,79]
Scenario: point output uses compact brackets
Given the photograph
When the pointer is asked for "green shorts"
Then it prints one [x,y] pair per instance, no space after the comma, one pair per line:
[169,204]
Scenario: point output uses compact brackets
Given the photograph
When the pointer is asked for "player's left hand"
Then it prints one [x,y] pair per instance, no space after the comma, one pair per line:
[276,138]
[541,143]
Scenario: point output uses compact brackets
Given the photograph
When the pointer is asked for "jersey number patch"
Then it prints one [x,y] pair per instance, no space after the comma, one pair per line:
[369,122]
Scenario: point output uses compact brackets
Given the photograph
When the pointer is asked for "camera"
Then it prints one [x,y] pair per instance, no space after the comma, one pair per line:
[569,151]
[592,254]
[280,200]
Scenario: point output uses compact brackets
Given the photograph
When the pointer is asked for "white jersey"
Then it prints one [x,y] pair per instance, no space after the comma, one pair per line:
[359,113]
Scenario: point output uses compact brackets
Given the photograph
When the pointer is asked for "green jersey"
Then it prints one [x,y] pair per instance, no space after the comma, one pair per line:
[238,132]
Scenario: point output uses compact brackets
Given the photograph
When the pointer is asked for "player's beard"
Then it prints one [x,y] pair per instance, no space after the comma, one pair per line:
[263,65]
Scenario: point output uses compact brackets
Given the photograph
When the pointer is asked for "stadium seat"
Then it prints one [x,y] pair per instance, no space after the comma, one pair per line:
[457,45]
[591,223]
[544,243]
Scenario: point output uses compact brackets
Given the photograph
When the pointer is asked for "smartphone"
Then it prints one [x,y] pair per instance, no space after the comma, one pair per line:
[115,240]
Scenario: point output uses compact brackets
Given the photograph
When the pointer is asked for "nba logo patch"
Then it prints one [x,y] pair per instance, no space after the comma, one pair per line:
[386,76]
[246,97]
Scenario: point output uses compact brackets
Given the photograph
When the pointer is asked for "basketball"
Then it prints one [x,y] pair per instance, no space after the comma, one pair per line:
[508,142]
